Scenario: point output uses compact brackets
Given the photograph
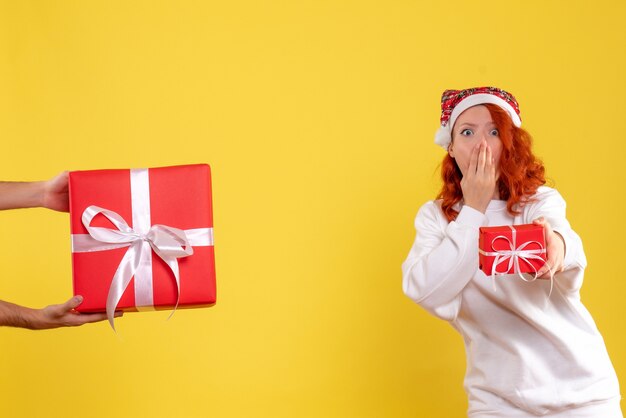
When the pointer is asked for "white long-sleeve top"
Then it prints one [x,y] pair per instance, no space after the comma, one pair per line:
[533,353]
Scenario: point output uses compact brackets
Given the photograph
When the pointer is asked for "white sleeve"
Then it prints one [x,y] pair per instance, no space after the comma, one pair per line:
[551,206]
[443,259]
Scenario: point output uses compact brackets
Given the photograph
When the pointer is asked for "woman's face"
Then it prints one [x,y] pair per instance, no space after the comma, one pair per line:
[470,128]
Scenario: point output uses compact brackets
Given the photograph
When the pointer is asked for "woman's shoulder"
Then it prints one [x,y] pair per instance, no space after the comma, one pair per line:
[545,198]
[430,207]
[544,193]
[434,207]
[431,210]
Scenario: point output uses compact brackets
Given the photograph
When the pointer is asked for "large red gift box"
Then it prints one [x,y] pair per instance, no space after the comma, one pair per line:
[511,249]
[136,233]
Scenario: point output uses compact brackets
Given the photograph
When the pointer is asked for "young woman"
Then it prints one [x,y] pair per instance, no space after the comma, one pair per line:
[529,352]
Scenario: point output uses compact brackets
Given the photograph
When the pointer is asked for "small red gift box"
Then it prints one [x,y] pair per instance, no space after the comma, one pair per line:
[511,249]
[142,239]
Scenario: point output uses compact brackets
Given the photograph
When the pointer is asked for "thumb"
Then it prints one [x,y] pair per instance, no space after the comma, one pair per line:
[73,303]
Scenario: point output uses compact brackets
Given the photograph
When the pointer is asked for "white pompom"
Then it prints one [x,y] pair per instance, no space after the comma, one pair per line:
[443,137]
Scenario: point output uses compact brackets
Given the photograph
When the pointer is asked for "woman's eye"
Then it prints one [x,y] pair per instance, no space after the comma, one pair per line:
[466,132]
[494,132]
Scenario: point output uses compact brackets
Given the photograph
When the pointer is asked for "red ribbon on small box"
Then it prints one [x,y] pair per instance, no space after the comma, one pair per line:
[512,249]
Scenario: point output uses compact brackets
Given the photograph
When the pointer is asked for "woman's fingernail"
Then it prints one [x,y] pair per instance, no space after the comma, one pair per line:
[78,299]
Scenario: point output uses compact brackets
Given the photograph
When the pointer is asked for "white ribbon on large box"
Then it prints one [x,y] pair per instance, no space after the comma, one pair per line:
[167,242]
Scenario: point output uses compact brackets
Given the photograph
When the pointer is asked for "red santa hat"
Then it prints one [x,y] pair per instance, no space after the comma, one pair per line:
[454,102]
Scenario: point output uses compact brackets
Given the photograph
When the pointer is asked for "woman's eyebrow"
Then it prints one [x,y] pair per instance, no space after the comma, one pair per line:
[474,125]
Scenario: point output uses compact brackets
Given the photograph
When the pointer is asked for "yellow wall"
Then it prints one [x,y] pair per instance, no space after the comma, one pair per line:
[317,118]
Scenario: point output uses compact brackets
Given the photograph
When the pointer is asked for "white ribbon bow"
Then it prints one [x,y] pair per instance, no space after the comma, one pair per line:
[514,255]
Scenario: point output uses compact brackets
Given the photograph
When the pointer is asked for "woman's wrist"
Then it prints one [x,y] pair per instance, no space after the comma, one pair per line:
[479,206]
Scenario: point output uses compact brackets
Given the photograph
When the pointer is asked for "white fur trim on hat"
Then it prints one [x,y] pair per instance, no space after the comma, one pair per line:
[443,136]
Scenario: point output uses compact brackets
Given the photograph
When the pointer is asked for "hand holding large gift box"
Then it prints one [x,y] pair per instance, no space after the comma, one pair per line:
[142,239]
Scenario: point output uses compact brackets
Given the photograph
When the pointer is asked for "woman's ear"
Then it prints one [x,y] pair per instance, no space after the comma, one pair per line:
[451,150]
